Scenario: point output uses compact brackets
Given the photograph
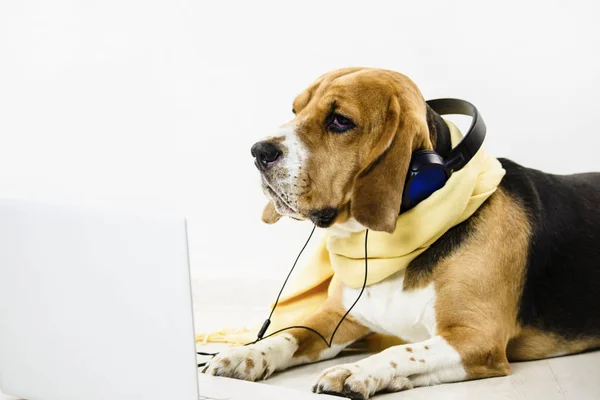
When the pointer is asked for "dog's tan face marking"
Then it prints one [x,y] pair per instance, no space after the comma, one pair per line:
[346,152]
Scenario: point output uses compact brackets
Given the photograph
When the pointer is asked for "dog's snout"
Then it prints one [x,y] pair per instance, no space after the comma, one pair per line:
[265,153]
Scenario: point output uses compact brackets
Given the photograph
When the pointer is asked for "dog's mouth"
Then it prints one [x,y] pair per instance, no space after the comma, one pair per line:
[324,217]
[282,206]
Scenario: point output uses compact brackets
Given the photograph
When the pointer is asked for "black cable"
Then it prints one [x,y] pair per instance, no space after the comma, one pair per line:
[292,270]
[267,322]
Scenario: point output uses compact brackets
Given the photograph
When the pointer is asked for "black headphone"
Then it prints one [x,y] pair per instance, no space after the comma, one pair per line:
[429,171]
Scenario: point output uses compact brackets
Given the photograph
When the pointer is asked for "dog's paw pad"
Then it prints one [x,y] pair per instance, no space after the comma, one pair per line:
[357,382]
[240,363]
[346,380]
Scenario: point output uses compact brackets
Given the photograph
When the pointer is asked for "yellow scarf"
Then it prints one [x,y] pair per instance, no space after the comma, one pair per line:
[343,257]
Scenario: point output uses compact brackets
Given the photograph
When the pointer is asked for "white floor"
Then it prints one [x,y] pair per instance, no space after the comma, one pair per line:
[574,377]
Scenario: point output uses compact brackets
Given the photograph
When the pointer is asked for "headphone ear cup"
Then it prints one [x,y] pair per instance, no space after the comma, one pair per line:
[427,173]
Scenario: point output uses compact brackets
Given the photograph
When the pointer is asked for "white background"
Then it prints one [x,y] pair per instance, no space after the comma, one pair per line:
[153,105]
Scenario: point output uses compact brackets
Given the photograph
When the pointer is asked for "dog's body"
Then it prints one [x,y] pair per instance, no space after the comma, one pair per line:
[519,280]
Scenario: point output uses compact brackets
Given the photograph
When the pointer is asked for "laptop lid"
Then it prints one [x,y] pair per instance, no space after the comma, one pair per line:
[94,305]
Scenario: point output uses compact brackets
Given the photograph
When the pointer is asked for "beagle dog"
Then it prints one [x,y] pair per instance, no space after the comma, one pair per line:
[519,280]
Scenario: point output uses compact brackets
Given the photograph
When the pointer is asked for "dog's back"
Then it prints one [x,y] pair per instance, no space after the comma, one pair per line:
[561,292]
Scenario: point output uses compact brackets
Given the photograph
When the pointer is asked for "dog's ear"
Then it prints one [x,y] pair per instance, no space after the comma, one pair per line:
[378,187]
[270,214]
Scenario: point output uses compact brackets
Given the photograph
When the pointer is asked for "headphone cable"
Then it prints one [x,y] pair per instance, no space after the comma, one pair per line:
[260,336]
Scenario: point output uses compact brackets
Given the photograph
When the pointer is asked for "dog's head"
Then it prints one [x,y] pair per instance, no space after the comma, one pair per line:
[347,151]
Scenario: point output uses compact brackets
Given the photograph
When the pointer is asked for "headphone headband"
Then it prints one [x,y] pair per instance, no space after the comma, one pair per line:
[462,153]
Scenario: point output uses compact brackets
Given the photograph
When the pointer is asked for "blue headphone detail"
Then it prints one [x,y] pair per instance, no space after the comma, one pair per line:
[429,171]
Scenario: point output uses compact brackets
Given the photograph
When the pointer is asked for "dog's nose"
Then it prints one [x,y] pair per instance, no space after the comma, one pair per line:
[265,153]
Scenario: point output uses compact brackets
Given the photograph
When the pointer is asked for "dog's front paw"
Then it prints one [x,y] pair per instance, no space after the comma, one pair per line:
[244,363]
[359,382]
[256,361]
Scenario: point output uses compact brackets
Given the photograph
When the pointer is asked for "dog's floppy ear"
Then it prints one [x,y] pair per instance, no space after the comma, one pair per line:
[378,187]
[270,214]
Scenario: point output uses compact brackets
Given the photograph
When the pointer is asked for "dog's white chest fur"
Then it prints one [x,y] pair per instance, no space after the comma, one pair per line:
[385,308]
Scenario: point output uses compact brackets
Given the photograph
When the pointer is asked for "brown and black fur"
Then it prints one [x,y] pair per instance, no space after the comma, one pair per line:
[558,300]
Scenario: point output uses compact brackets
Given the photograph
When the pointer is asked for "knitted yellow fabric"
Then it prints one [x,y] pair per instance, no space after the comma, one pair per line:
[343,257]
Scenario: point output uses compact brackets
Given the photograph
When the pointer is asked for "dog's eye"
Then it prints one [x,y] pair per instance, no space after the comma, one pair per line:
[338,123]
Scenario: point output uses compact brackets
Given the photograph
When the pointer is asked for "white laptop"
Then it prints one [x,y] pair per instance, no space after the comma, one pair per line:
[96,306]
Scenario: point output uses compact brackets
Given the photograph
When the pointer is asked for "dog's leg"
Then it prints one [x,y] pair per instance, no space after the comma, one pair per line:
[454,357]
[293,347]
